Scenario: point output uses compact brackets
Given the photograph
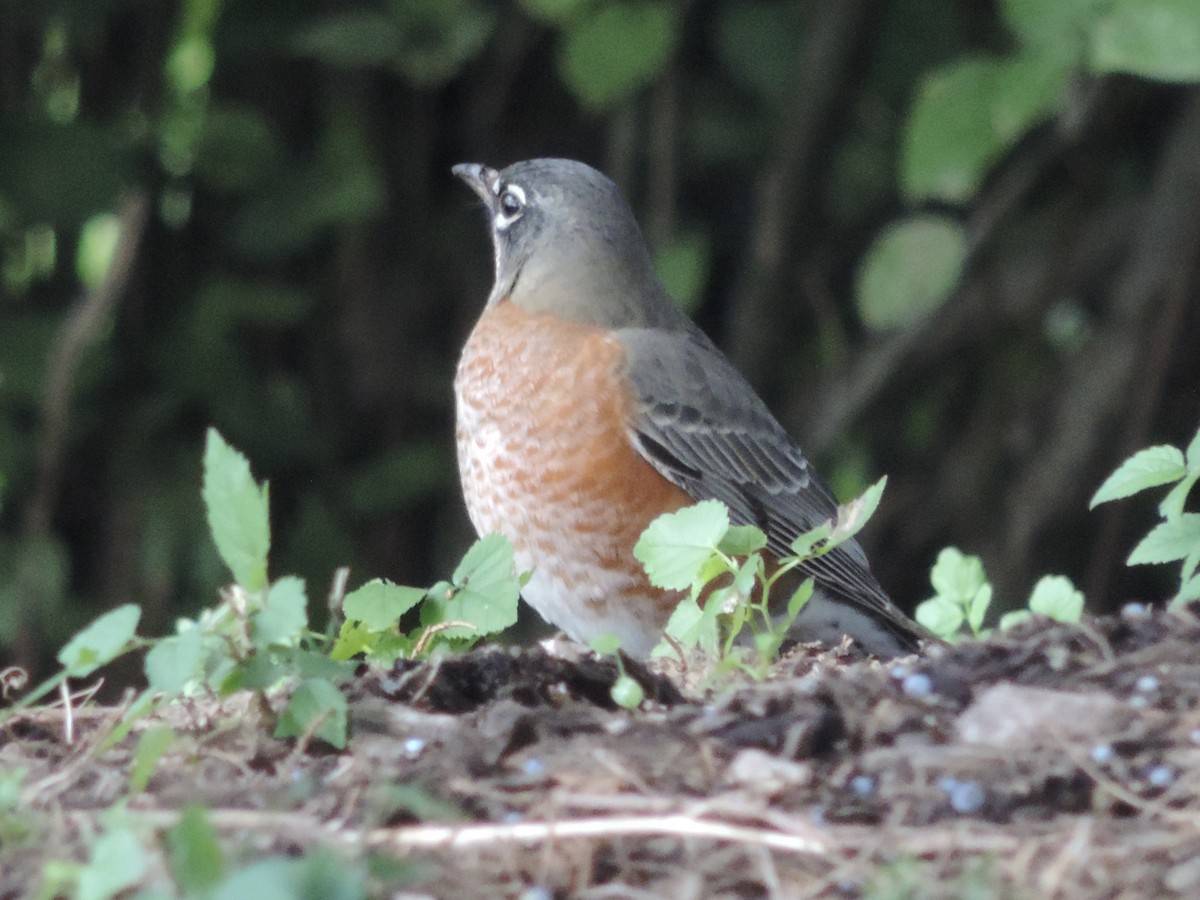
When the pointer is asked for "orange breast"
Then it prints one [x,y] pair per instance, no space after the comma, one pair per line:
[546,460]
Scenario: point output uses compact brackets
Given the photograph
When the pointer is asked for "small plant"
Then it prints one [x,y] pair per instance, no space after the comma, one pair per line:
[626,692]
[480,599]
[721,566]
[963,595]
[1177,536]
[258,637]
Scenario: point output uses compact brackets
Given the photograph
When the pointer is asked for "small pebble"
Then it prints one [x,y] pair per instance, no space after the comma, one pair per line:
[1134,611]
[862,785]
[533,766]
[965,796]
[414,745]
[1138,702]
[898,671]
[918,684]
[1194,737]
[537,893]
[1161,776]
[1146,684]
[511,817]
[1102,753]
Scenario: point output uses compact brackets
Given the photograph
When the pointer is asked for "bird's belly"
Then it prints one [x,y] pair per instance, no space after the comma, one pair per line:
[546,460]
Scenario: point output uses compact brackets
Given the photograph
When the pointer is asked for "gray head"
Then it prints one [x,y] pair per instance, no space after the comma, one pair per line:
[567,242]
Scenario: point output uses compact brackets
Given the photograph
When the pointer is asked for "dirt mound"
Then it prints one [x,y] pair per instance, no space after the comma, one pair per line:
[1050,761]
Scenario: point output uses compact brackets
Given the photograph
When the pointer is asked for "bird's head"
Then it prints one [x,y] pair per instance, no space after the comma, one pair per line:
[566,242]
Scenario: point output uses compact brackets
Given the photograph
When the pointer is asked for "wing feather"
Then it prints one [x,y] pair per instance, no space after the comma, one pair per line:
[702,426]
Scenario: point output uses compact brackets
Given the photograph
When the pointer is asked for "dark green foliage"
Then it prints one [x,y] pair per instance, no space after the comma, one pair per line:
[947,241]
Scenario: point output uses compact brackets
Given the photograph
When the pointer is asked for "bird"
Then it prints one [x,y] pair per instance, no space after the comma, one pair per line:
[588,404]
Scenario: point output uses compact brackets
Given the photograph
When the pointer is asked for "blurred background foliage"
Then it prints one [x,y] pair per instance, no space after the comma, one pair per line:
[956,243]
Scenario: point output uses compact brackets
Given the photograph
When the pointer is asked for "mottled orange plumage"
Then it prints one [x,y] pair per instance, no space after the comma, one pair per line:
[545,459]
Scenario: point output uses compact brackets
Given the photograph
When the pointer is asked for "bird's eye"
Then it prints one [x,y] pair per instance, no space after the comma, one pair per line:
[511,205]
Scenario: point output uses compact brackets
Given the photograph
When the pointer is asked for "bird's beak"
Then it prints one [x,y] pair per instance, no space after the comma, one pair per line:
[482,180]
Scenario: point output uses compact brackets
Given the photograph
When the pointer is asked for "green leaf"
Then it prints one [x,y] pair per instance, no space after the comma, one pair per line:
[1015,617]
[354,638]
[438,37]
[379,604]
[957,575]
[910,270]
[315,699]
[854,515]
[194,852]
[1051,26]
[798,600]
[174,661]
[151,746]
[239,148]
[343,187]
[284,616]
[605,644]
[627,693]
[98,240]
[976,608]
[1190,563]
[1168,541]
[484,592]
[317,664]
[117,863]
[350,39]
[1193,453]
[1145,469]
[1056,597]
[1157,39]
[1172,505]
[556,12]
[742,540]
[617,50]
[101,642]
[690,626]
[967,115]
[760,45]
[940,615]
[321,874]
[675,545]
[683,267]
[803,545]
[236,508]
[745,578]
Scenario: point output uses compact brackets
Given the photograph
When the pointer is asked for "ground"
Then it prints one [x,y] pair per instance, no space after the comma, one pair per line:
[1048,761]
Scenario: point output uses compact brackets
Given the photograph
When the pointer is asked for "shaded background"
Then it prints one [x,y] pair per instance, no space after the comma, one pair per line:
[954,243]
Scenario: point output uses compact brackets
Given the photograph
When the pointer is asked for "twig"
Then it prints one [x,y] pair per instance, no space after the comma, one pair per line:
[83,325]
[81,328]
[428,837]
[64,692]
[437,628]
[337,594]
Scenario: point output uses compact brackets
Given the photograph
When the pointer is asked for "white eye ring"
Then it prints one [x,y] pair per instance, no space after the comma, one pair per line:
[511,205]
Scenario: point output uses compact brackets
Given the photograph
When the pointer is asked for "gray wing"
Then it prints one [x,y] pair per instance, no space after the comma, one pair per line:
[702,426]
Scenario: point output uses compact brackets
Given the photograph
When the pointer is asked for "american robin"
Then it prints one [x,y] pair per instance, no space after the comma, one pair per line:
[588,404]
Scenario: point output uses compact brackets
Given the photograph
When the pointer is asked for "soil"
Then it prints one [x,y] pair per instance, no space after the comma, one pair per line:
[1047,761]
